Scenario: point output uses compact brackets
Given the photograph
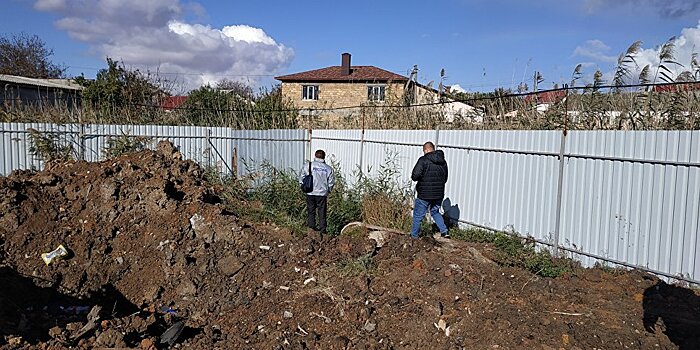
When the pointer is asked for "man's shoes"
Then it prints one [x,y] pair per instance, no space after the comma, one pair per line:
[445,235]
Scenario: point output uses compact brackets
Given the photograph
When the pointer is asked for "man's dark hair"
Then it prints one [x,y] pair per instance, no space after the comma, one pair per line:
[320,154]
[429,145]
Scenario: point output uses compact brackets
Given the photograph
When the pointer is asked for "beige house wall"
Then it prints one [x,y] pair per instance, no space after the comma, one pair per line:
[334,95]
[337,94]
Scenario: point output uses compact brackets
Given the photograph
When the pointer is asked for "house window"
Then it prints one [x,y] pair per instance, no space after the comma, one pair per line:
[375,92]
[309,92]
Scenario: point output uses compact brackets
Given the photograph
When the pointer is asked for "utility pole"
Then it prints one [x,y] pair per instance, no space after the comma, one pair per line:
[414,78]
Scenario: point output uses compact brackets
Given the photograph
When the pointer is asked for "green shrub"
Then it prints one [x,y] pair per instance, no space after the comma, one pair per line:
[47,146]
[125,143]
[516,251]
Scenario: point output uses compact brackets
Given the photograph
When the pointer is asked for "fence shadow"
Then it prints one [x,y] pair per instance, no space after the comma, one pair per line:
[675,311]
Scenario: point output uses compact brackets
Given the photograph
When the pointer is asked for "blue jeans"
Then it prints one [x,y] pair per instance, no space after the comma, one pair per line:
[420,208]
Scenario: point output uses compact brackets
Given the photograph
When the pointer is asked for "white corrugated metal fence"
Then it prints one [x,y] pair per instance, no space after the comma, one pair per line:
[631,197]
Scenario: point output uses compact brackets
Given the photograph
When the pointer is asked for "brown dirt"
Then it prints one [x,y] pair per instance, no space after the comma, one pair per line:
[151,244]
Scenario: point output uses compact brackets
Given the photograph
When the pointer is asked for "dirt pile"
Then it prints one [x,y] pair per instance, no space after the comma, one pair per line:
[156,259]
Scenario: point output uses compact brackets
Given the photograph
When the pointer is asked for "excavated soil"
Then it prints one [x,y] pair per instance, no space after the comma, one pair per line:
[153,246]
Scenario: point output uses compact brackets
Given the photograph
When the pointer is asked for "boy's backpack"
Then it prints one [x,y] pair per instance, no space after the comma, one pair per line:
[307,183]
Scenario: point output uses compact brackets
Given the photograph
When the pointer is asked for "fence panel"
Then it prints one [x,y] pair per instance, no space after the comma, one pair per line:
[343,147]
[213,147]
[629,196]
[503,180]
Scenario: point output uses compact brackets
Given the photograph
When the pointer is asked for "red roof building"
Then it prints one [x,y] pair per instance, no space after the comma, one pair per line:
[172,102]
[546,97]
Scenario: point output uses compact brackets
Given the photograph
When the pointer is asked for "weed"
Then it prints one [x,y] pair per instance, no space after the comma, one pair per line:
[48,146]
[516,251]
[125,143]
[362,265]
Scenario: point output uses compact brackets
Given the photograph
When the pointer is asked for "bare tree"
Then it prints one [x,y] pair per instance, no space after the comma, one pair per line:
[236,87]
[27,55]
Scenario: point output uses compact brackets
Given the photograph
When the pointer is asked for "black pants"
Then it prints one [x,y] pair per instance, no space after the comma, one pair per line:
[313,204]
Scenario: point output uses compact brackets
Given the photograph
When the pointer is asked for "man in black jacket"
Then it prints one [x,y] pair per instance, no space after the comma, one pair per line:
[431,174]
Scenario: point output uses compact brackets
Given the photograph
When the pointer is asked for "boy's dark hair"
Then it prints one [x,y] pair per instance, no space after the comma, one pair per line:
[320,154]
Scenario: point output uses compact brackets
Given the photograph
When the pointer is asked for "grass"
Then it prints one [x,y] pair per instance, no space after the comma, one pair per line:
[362,265]
[516,251]
[378,200]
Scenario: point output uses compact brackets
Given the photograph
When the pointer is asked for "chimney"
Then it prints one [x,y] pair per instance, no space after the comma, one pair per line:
[345,67]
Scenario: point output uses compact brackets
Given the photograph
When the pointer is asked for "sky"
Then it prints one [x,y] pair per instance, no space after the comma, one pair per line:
[481,44]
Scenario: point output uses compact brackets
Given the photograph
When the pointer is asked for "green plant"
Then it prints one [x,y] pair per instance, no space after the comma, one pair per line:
[516,251]
[362,265]
[125,143]
[48,146]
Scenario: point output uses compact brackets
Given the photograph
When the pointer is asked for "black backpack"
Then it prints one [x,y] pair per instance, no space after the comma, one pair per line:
[307,183]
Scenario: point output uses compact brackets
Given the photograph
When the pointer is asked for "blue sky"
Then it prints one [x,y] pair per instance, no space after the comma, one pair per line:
[482,44]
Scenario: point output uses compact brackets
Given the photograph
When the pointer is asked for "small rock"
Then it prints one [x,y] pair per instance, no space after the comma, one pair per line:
[187,288]
[369,326]
[147,344]
[120,260]
[309,280]
[287,314]
[73,326]
[111,338]
[264,247]
[55,332]
[379,236]
[230,265]
[14,341]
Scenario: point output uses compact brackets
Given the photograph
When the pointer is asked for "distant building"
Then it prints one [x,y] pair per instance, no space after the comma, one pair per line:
[347,86]
[22,91]
[172,102]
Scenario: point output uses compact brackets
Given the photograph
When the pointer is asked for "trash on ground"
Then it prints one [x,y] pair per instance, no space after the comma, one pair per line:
[171,334]
[54,255]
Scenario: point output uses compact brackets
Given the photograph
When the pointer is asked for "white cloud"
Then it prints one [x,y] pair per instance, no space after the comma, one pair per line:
[686,44]
[50,5]
[596,50]
[665,8]
[153,34]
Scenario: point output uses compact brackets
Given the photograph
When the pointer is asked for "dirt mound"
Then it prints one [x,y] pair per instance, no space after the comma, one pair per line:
[156,259]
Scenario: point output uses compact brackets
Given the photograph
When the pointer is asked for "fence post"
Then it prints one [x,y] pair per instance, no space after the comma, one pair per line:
[437,135]
[362,145]
[308,144]
[234,163]
[560,182]
[209,148]
[81,136]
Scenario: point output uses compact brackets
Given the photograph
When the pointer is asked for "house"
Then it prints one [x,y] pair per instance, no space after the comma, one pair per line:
[18,91]
[677,87]
[172,102]
[544,100]
[341,91]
